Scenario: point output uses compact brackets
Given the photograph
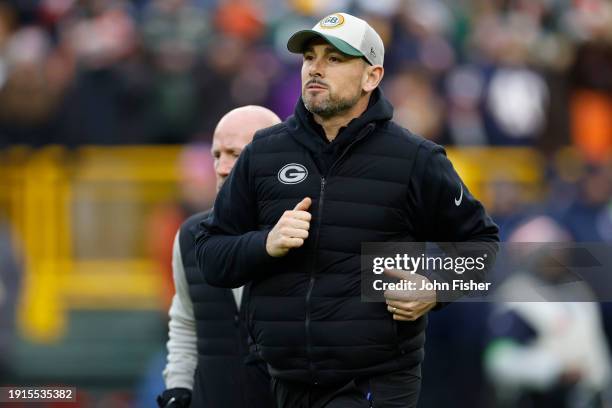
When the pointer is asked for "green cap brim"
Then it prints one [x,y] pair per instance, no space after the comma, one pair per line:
[298,41]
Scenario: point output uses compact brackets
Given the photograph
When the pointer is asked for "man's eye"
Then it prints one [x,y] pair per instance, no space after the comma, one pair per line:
[334,59]
[308,57]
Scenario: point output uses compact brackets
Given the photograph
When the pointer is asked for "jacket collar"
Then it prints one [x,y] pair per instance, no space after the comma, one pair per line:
[310,134]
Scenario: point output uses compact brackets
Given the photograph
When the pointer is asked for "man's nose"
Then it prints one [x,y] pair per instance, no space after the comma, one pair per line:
[316,68]
[224,166]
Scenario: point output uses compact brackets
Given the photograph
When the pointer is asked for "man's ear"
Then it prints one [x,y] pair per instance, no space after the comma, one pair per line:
[372,76]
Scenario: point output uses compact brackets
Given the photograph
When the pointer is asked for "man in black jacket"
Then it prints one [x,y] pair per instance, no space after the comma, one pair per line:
[292,216]
[208,360]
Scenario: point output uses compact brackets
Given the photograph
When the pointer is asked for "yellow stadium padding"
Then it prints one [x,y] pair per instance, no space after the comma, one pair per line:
[40,190]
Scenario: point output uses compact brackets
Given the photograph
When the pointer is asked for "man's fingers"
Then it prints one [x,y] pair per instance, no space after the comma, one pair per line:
[291,229]
[303,205]
[297,215]
[302,215]
[299,224]
[292,242]
[294,233]
[400,304]
[402,307]
[399,314]
[410,309]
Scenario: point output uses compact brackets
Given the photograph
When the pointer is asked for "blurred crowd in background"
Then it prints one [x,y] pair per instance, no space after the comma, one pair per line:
[483,73]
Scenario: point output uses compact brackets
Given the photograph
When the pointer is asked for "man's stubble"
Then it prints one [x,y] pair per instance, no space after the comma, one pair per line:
[332,105]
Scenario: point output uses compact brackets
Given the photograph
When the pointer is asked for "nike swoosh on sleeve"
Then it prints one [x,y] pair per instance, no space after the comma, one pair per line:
[458,200]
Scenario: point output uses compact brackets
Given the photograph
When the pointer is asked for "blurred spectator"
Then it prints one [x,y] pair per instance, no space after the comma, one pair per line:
[176,35]
[233,73]
[29,91]
[589,216]
[517,100]
[507,207]
[516,96]
[240,18]
[104,95]
[464,89]
[591,99]
[10,282]
[552,353]
[417,106]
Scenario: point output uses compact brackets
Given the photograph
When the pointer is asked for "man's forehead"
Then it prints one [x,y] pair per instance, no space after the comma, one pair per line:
[231,139]
[310,45]
[237,127]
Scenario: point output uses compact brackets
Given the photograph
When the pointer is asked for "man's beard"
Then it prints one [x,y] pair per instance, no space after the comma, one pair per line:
[330,106]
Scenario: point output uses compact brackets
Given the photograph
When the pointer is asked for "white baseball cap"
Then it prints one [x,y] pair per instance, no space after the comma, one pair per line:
[349,34]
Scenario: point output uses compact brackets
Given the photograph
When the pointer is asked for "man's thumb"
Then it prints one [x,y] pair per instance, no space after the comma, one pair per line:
[303,205]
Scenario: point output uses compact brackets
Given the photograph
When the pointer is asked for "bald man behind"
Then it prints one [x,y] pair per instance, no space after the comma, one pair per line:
[208,348]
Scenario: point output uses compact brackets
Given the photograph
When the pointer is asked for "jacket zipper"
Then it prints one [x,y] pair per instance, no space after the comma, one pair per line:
[311,284]
[360,136]
[316,246]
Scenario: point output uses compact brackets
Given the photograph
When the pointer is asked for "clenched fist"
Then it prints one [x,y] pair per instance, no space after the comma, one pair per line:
[409,305]
[291,230]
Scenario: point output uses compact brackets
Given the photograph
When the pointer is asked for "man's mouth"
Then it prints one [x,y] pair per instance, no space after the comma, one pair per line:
[315,86]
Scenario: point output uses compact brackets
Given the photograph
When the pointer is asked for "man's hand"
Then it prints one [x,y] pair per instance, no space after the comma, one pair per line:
[409,305]
[291,230]
[174,398]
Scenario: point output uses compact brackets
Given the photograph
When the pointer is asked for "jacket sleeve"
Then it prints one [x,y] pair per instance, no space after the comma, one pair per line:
[230,248]
[453,216]
[182,352]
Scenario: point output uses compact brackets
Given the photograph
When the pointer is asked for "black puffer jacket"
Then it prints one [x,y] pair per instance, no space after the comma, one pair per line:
[375,182]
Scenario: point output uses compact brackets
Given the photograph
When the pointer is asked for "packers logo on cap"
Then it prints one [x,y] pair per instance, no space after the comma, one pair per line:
[332,21]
